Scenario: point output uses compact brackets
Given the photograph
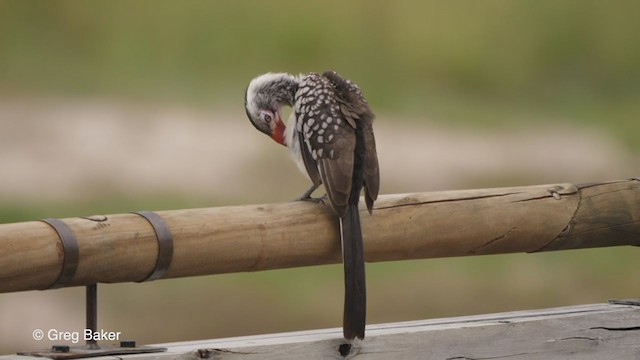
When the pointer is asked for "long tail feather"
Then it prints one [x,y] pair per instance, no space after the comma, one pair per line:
[355,294]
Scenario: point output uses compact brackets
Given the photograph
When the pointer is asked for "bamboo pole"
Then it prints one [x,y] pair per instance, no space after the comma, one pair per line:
[123,247]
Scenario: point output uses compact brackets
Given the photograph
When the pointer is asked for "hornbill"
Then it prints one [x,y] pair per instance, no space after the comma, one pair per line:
[330,137]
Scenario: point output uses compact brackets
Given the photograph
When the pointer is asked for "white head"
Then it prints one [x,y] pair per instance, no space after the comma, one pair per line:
[264,97]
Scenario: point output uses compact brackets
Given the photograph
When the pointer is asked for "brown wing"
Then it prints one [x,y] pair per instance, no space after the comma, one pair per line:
[356,110]
[371,170]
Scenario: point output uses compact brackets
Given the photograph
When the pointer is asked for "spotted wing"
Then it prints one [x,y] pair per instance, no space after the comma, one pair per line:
[355,109]
[327,137]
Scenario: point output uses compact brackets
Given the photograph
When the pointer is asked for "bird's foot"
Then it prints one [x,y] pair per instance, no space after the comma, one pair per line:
[308,197]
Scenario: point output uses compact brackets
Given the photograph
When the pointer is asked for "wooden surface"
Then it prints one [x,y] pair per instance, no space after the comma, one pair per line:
[123,247]
[599,331]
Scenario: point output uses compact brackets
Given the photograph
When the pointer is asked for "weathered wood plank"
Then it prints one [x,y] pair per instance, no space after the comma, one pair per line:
[589,332]
[123,247]
[600,331]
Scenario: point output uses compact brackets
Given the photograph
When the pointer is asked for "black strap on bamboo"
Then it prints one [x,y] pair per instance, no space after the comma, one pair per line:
[70,252]
[165,244]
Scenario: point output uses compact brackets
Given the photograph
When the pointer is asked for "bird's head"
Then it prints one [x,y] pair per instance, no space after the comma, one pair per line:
[265,96]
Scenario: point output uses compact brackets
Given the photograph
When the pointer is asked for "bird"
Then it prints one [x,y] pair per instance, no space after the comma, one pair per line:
[330,138]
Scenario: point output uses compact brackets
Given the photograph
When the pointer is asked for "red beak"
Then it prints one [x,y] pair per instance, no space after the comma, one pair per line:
[278,130]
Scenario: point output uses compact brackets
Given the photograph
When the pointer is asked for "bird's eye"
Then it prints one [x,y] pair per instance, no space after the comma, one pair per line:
[266,116]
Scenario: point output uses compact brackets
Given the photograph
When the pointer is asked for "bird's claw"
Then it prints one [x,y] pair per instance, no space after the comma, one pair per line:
[318,200]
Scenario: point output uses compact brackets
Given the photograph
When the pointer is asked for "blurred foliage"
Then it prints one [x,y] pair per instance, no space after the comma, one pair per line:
[479,62]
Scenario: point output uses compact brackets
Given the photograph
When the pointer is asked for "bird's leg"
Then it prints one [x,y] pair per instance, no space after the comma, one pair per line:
[307,195]
[320,199]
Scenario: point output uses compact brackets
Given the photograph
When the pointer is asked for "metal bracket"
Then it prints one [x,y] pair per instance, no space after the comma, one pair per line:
[91,349]
[92,314]
[71,257]
[70,252]
[165,244]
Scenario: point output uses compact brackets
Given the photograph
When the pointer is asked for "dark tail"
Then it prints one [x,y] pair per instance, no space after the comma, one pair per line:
[355,293]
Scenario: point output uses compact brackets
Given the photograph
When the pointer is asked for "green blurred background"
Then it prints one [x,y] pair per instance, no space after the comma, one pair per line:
[477,67]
